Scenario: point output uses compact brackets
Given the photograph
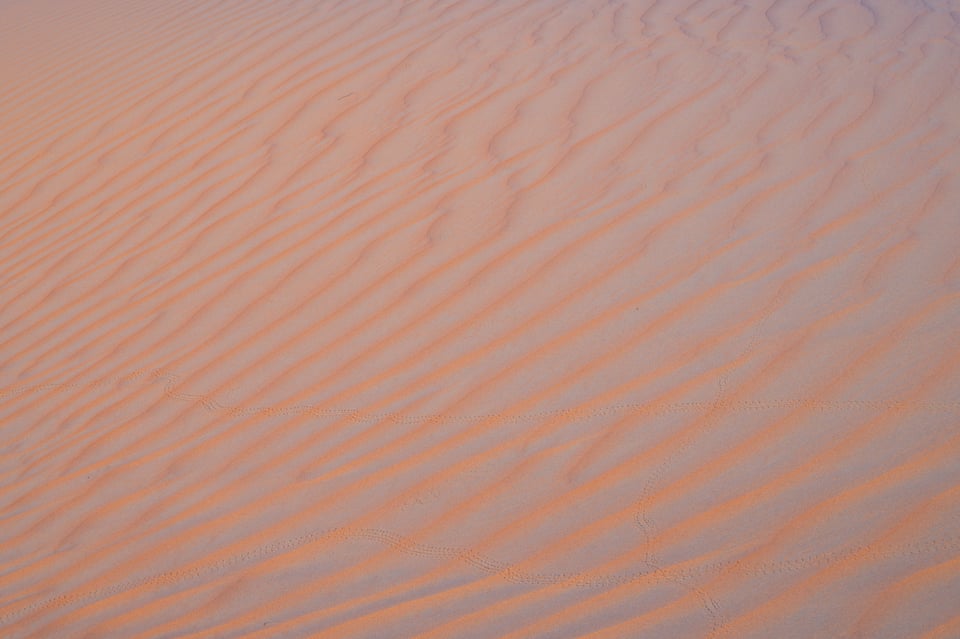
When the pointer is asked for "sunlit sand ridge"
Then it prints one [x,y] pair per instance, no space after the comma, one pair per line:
[539,318]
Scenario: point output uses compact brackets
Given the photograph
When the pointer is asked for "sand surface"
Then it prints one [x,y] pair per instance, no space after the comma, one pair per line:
[480,319]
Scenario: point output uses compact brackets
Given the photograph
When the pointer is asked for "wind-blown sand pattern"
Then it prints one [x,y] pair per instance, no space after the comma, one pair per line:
[533,318]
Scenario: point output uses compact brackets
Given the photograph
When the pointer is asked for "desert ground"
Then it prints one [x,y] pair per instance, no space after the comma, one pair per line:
[480,319]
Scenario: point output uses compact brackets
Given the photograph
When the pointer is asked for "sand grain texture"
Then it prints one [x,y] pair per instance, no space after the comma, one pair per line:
[515,318]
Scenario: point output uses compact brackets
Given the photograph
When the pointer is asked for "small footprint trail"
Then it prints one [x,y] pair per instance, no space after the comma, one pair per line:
[478,561]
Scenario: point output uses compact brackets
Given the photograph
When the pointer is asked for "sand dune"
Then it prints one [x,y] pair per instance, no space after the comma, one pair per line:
[516,318]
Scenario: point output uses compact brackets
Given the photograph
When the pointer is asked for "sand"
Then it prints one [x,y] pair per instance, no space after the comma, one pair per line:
[516,318]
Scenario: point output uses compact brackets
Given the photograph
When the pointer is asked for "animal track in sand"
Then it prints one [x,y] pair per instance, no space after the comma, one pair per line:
[660,293]
[652,571]
[486,564]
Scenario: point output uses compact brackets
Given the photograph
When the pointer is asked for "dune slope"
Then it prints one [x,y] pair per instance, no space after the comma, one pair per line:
[494,318]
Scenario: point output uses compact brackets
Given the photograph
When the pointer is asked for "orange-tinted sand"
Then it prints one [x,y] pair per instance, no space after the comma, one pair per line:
[480,319]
